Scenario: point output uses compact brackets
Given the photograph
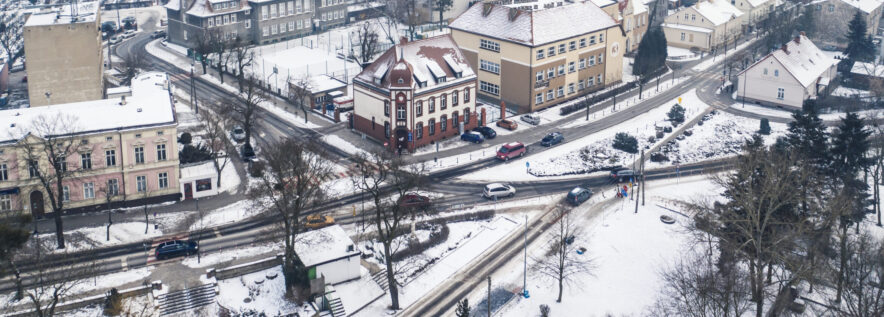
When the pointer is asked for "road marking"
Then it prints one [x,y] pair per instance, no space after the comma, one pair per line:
[124,264]
[217,233]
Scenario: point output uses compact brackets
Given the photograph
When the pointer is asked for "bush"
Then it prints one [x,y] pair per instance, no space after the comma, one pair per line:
[544,310]
[192,154]
[185,138]
[659,157]
[113,303]
[417,247]
[765,126]
[626,143]
[256,168]
[676,114]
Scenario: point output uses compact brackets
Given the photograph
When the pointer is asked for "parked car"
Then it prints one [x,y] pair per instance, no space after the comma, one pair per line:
[578,195]
[622,174]
[114,39]
[570,239]
[247,152]
[472,137]
[508,124]
[531,118]
[175,248]
[414,200]
[487,132]
[129,22]
[158,34]
[497,190]
[318,222]
[511,150]
[128,34]
[552,139]
[238,134]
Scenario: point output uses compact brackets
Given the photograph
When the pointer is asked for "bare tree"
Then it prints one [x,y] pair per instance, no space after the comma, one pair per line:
[244,109]
[243,55]
[299,94]
[221,50]
[693,288]
[132,62]
[10,37]
[109,192]
[380,174]
[13,236]
[217,141]
[864,278]
[45,147]
[291,184]
[561,261]
[205,46]
[368,45]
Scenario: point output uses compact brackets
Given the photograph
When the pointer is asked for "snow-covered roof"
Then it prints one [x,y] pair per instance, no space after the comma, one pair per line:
[173,5]
[149,105]
[757,3]
[866,6]
[86,13]
[717,11]
[637,7]
[426,60]
[868,69]
[324,245]
[603,3]
[536,27]
[203,8]
[802,59]
[323,83]
[687,27]
[198,171]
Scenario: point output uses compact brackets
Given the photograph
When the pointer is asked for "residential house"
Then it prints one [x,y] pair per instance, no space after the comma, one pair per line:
[833,16]
[755,11]
[707,25]
[786,77]
[329,254]
[416,93]
[633,17]
[253,21]
[535,59]
[128,152]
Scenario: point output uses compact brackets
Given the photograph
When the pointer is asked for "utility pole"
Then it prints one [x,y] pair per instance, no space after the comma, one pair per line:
[635,182]
[525,272]
[489,296]
[614,98]
[199,233]
[643,178]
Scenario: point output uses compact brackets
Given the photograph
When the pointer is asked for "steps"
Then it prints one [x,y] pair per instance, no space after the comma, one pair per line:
[335,306]
[183,300]
[381,278]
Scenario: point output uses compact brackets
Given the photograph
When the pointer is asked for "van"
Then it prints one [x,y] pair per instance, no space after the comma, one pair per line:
[511,150]
[531,118]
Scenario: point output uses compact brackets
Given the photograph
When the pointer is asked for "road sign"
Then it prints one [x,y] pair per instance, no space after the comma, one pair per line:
[409,136]
[679,100]
[527,164]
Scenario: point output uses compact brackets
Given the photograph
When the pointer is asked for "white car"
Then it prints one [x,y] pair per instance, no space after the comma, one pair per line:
[531,118]
[114,40]
[498,190]
[239,135]
[128,34]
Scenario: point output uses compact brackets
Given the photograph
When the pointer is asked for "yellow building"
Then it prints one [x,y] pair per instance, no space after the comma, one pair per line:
[632,16]
[706,25]
[538,58]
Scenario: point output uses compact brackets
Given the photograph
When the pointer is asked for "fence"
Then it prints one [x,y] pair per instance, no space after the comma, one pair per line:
[604,95]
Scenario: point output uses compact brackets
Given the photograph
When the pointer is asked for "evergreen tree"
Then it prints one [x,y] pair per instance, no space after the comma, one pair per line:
[676,114]
[806,22]
[859,43]
[625,142]
[765,126]
[651,54]
[807,136]
[463,308]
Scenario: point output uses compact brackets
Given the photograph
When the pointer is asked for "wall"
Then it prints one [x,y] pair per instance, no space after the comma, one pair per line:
[515,90]
[341,270]
[259,23]
[764,87]
[76,75]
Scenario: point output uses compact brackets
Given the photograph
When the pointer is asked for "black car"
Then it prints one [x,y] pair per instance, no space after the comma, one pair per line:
[159,34]
[487,132]
[247,152]
[552,139]
[175,248]
[578,195]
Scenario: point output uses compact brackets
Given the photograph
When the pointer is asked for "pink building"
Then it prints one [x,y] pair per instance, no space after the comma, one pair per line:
[118,152]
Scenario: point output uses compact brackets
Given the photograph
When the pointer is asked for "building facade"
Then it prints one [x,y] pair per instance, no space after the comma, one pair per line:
[416,93]
[707,25]
[129,153]
[77,74]
[535,59]
[786,77]
[833,17]
[755,11]
[633,17]
[330,13]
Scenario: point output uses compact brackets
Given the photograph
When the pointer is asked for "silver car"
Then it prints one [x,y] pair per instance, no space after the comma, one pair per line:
[238,134]
[498,190]
[531,118]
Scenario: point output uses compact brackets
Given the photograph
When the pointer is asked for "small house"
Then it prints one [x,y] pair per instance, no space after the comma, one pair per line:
[198,180]
[329,255]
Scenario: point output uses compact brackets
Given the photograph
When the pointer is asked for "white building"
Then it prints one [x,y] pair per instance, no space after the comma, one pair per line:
[706,25]
[329,252]
[198,180]
[786,77]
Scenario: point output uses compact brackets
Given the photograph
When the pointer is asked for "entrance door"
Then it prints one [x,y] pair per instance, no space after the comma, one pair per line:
[188,191]
[37,204]
[401,138]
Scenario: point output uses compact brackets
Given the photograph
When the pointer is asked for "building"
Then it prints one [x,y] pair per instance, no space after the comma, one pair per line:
[755,11]
[633,17]
[833,16]
[535,59]
[77,74]
[329,254]
[707,25]
[128,151]
[198,180]
[416,93]
[330,13]
[786,77]
[253,21]
[320,90]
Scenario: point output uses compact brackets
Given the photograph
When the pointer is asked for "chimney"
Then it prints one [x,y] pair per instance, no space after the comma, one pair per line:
[785,48]
[798,39]
[403,40]
[123,100]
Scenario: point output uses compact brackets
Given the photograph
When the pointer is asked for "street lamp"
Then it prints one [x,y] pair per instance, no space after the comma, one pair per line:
[48,98]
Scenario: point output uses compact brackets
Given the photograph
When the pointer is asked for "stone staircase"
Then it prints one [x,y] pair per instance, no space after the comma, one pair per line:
[335,306]
[174,303]
[380,277]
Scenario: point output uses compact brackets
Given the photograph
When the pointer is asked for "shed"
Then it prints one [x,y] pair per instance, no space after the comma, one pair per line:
[198,180]
[329,253]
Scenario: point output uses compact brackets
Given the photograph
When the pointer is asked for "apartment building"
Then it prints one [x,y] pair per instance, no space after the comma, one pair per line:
[833,17]
[756,11]
[129,152]
[77,74]
[632,16]
[707,25]
[253,21]
[416,93]
[330,13]
[535,59]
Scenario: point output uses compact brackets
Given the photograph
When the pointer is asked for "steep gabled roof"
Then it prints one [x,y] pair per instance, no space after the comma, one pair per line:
[419,61]
[802,59]
[717,11]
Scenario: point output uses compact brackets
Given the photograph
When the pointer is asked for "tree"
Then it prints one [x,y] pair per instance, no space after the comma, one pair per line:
[806,22]
[299,94]
[379,174]
[765,127]
[676,114]
[561,262]
[863,295]
[244,109]
[441,6]
[45,148]
[626,143]
[243,55]
[652,53]
[193,153]
[289,184]
[13,236]
[52,281]
[368,45]
[695,287]
[205,46]
[463,308]
[11,38]
[859,43]
[217,143]
[221,49]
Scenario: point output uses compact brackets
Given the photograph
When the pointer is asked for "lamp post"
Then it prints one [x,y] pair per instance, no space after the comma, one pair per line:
[48,98]
[525,272]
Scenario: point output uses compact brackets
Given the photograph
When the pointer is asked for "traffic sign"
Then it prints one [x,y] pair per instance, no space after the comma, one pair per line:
[527,164]
[409,136]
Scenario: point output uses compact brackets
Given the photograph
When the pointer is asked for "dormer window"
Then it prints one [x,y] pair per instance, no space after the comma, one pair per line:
[400,81]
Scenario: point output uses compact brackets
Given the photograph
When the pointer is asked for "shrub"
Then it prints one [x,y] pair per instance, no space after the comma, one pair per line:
[626,143]
[192,154]
[544,310]
[113,303]
[185,138]
[256,168]
[676,114]
[765,126]
[659,157]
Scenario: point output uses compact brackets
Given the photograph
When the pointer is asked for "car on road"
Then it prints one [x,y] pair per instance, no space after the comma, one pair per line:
[129,34]
[552,139]
[531,118]
[578,195]
[129,22]
[511,150]
[175,248]
[487,132]
[318,222]
[247,152]
[158,34]
[623,174]
[114,39]
[497,190]
[508,124]
[414,200]
[472,137]
[238,134]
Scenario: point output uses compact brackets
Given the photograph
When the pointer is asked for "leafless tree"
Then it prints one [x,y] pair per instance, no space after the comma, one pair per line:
[45,146]
[299,94]
[292,183]
[10,37]
[863,294]
[244,109]
[205,46]
[693,288]
[132,62]
[380,174]
[109,192]
[561,261]
[14,233]
[216,140]
[368,45]
[243,55]
[221,50]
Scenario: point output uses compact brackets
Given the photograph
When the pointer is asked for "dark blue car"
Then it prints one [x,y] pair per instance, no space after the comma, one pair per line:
[175,248]
[552,139]
[472,137]
[487,132]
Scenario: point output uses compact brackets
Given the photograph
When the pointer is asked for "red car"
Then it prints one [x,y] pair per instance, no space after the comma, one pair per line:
[508,124]
[414,200]
[511,150]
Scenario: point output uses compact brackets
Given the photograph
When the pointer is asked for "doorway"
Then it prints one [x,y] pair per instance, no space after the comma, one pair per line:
[37,204]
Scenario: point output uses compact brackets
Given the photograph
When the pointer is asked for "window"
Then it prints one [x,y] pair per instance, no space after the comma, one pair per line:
[591,60]
[491,67]
[592,40]
[4,172]
[693,17]
[432,126]
[466,95]
[466,116]
[5,203]
[776,73]
[400,111]
[299,6]
[139,155]
[599,79]
[141,183]
[550,73]
[454,98]
[443,124]
[33,171]
[682,36]
[291,26]
[443,101]
[538,99]
[184,33]
[571,67]
[539,76]
[161,152]
[65,193]
[233,18]
[551,51]
[211,22]
[113,187]
[560,92]
[273,10]
[248,23]
[819,7]
[265,31]
[431,105]
[572,46]
[386,108]
[300,24]
[455,120]
[489,45]
[387,129]
[781,93]
[549,94]
[561,70]
[419,108]
[601,58]
[88,191]
[583,42]
[571,88]
[562,48]
[372,123]
[539,54]
[291,6]
[274,29]
[419,130]
[601,38]
[264,13]
[831,8]
[86,161]
[489,88]
[580,85]
[61,164]
[226,19]
[110,157]
[164,180]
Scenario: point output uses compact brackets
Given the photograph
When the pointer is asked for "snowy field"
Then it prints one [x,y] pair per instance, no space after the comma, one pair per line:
[762,110]
[262,292]
[96,237]
[289,115]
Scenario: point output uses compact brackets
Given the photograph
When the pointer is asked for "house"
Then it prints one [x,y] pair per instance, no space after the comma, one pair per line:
[320,89]
[329,254]
[786,77]
[416,93]
[252,21]
[539,58]
[127,155]
[867,74]
[833,16]
[756,11]
[198,180]
[633,17]
[707,25]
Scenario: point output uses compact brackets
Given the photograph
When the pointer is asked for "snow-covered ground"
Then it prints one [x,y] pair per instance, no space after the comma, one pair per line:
[680,54]
[74,291]
[342,144]
[627,69]
[764,111]
[234,212]
[720,56]
[229,255]
[262,292]
[851,93]
[96,237]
